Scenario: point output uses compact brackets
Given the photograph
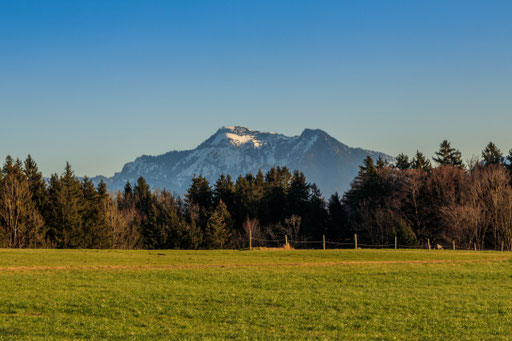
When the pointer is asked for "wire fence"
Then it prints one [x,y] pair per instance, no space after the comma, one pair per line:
[354,244]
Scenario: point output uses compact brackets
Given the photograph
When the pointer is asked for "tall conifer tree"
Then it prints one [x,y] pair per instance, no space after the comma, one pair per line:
[492,155]
[421,162]
[402,162]
[448,156]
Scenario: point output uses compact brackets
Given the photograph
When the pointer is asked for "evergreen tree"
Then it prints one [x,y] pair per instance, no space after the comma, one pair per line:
[368,166]
[247,198]
[200,193]
[492,155]
[224,190]
[336,224]
[381,163]
[448,156]
[260,180]
[142,197]
[274,205]
[65,210]
[314,219]
[102,191]
[298,194]
[366,177]
[153,228]
[421,162]
[37,184]
[226,215]
[369,193]
[216,234]
[94,227]
[200,199]
[148,211]
[171,225]
[402,162]
[90,213]
[8,166]
[127,198]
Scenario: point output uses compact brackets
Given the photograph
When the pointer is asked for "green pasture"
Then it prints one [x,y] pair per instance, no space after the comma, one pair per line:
[259,294]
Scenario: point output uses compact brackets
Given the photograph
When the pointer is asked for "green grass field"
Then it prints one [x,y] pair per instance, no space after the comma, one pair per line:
[344,294]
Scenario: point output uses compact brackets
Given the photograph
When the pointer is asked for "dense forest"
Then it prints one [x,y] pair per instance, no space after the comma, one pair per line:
[409,198]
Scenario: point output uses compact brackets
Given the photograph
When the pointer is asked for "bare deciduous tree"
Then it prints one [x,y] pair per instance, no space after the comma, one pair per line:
[21,220]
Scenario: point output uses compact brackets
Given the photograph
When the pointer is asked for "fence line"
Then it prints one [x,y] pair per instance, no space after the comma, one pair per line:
[354,244]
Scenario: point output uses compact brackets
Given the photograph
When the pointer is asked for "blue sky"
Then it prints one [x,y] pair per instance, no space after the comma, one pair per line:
[98,83]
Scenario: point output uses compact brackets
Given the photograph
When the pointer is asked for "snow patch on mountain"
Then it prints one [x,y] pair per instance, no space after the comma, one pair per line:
[238,140]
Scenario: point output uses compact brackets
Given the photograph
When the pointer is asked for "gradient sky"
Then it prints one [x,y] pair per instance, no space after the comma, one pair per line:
[98,83]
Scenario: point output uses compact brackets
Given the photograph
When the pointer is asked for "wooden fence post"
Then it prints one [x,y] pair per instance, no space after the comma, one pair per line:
[396,243]
[286,240]
[428,241]
[250,239]
[323,240]
[475,246]
[355,241]
[502,246]
[453,245]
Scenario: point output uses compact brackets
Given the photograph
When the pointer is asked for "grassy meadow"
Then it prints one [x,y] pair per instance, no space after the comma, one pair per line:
[259,294]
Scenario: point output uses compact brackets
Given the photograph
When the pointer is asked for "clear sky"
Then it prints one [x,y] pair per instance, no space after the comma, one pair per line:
[98,83]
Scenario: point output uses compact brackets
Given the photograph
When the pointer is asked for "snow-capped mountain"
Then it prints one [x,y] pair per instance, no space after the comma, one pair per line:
[238,151]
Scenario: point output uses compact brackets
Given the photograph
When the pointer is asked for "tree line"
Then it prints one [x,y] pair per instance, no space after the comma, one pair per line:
[410,199]
[417,202]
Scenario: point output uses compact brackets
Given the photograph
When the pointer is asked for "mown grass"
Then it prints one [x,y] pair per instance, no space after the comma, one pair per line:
[346,294]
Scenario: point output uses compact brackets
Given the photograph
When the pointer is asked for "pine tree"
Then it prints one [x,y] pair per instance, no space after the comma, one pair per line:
[145,205]
[492,155]
[102,190]
[216,234]
[8,165]
[278,177]
[74,208]
[65,201]
[200,193]
[274,205]
[448,156]
[368,166]
[142,196]
[247,200]
[421,162]
[381,163]
[336,228]
[37,184]
[170,225]
[314,219]
[298,194]
[402,162]
[94,229]
[224,190]
[127,198]
[152,228]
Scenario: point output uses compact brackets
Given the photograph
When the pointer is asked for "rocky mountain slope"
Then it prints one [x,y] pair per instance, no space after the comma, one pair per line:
[238,151]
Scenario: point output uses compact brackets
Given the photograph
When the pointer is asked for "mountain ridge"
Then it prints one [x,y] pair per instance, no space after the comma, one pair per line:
[238,150]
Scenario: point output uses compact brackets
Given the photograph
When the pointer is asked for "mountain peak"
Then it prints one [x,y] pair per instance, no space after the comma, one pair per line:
[238,150]
[235,136]
[313,132]
[237,130]
[239,136]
